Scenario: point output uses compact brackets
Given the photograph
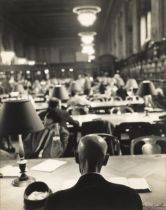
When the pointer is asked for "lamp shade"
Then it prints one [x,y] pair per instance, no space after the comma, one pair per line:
[146,88]
[19,117]
[131,84]
[60,92]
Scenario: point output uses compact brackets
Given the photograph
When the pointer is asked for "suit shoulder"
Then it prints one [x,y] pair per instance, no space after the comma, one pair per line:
[127,192]
[54,199]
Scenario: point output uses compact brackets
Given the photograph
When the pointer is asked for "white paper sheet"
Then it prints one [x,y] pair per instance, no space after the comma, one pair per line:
[9,170]
[48,165]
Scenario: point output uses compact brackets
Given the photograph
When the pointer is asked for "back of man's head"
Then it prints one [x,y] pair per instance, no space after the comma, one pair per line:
[53,103]
[91,153]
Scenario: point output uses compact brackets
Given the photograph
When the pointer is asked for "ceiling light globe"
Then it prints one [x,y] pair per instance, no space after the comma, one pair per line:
[87,39]
[88,49]
[86,14]
[87,19]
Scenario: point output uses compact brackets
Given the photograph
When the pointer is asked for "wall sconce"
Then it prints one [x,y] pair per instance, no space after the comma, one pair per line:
[86,14]
[46,71]
[21,61]
[7,57]
[87,37]
[31,63]
[71,69]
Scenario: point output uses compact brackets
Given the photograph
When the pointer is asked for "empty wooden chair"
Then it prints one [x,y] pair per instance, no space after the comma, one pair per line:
[127,131]
[121,110]
[117,98]
[148,145]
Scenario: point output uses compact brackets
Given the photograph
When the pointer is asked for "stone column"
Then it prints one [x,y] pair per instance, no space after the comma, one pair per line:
[158,20]
[1,38]
[163,18]
[124,31]
[1,34]
[136,26]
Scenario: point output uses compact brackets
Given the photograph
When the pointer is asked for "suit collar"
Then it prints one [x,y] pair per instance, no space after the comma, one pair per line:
[90,179]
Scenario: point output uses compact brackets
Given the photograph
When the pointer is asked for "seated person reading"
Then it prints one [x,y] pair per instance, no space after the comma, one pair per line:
[48,143]
[92,191]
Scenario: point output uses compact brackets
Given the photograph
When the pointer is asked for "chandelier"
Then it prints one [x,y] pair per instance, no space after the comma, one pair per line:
[87,37]
[86,14]
[88,49]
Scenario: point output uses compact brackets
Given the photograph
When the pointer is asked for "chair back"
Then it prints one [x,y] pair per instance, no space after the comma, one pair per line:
[97,99]
[78,110]
[117,98]
[40,98]
[125,132]
[148,145]
[96,126]
[121,110]
[134,98]
[159,129]
[100,97]
[133,129]
[110,98]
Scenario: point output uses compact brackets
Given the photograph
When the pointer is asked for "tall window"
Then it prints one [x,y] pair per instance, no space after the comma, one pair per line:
[145,22]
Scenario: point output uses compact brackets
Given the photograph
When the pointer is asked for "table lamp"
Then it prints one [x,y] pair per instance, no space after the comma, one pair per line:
[60,92]
[146,89]
[131,84]
[19,117]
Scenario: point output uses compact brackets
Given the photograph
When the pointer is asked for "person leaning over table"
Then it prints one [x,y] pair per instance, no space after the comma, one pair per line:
[58,115]
[92,191]
[62,117]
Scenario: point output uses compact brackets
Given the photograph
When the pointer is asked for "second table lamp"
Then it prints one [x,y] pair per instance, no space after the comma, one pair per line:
[19,117]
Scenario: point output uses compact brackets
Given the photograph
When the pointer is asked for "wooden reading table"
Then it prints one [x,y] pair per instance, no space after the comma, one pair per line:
[150,167]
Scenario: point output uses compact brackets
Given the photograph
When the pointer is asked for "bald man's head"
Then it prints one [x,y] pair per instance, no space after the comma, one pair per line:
[91,153]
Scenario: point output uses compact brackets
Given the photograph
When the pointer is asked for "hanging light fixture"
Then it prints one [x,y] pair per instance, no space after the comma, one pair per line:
[7,57]
[91,57]
[86,14]
[87,37]
[88,49]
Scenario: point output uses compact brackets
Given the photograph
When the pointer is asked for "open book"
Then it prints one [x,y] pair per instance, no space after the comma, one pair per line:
[139,184]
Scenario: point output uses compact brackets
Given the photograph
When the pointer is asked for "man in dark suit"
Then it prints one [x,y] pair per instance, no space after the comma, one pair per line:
[92,191]
[58,115]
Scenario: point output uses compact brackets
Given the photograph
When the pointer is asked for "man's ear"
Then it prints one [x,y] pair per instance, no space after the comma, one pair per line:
[76,157]
[106,159]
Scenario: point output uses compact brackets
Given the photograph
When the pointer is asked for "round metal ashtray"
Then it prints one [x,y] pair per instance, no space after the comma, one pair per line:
[36,194]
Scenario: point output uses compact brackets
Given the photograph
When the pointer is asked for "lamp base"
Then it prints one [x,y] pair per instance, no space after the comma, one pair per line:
[21,183]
